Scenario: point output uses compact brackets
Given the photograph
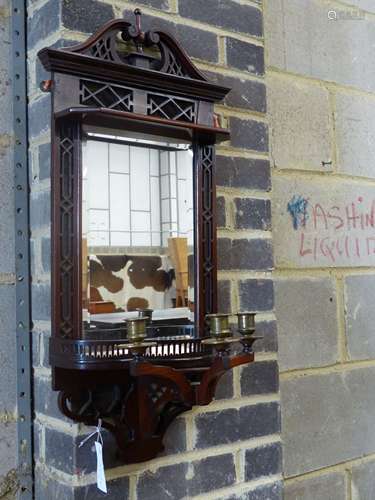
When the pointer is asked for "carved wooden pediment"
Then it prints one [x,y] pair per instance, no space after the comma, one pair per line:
[121,42]
[122,51]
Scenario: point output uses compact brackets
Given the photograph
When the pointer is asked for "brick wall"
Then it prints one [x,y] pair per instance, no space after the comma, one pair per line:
[8,400]
[230,449]
[321,106]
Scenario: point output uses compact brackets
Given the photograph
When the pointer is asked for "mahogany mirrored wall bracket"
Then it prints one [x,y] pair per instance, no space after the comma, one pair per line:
[136,338]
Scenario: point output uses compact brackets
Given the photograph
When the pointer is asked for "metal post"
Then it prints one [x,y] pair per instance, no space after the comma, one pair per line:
[22,253]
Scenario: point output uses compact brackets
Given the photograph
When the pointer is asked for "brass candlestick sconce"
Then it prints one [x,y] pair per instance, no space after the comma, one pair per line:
[134,126]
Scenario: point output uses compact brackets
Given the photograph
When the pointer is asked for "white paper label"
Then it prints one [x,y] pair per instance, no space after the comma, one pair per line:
[100,476]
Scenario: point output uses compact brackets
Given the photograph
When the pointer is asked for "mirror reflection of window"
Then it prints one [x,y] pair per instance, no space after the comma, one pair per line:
[138,231]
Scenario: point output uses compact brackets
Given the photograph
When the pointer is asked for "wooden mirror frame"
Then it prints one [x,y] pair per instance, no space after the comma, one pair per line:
[165,95]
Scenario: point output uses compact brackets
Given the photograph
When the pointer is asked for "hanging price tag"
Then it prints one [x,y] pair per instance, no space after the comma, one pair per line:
[100,474]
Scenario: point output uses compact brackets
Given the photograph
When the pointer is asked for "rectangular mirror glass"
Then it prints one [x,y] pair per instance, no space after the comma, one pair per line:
[137,233]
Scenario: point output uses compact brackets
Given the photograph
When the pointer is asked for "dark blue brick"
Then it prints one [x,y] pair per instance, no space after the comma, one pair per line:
[118,489]
[40,116]
[40,209]
[244,94]
[266,492]
[256,295]
[43,23]
[233,425]
[263,461]
[244,254]
[249,134]
[243,173]
[245,56]
[223,296]
[197,42]
[41,301]
[267,330]
[44,157]
[87,16]
[260,378]
[253,213]
[172,481]
[225,14]
[220,211]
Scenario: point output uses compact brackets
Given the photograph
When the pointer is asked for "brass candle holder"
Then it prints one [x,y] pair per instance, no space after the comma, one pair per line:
[136,334]
[246,328]
[219,325]
[246,323]
[221,335]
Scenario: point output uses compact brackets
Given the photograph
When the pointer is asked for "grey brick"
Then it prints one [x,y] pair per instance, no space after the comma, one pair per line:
[245,56]
[308,330]
[328,486]
[301,124]
[223,296]
[41,301]
[43,23]
[245,254]
[44,157]
[233,425]
[225,14]
[363,484]
[118,489]
[259,378]
[290,43]
[244,94]
[263,461]
[87,16]
[8,349]
[355,117]
[360,316]
[243,173]
[318,410]
[256,295]
[40,209]
[249,134]
[220,214]
[253,213]
[197,43]
[40,116]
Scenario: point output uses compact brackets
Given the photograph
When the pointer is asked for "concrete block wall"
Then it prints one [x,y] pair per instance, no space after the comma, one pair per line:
[230,449]
[8,398]
[321,102]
